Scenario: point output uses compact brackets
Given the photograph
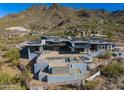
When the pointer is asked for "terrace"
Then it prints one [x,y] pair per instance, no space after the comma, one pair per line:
[54,56]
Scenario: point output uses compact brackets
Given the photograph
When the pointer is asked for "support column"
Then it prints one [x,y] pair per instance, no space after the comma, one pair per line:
[97,47]
[88,51]
[107,47]
[28,52]
[40,48]
[84,34]
[111,47]
[104,47]
[72,49]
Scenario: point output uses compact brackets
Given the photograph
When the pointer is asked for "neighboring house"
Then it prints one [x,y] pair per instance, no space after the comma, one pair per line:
[97,33]
[88,33]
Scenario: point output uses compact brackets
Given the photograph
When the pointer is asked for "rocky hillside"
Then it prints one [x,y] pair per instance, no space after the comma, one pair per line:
[58,19]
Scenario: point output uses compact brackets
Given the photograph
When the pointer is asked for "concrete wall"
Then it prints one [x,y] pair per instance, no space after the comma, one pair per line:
[63,78]
[97,53]
[58,79]
[93,76]
[31,56]
[42,76]
[82,67]
[118,54]
[38,67]
[24,52]
[70,77]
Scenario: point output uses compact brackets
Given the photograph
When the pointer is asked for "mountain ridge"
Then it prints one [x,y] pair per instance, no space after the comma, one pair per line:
[56,17]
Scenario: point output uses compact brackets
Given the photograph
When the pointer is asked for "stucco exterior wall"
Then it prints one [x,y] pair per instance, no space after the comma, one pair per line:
[82,67]
[42,76]
[38,67]
[58,79]
[58,75]
[119,54]
[31,56]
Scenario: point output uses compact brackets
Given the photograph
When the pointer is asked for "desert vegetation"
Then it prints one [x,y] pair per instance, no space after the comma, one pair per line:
[13,55]
[113,70]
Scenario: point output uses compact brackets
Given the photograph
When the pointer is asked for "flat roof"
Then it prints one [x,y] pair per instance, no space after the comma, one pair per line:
[55,54]
[90,40]
[58,39]
[55,38]
[34,43]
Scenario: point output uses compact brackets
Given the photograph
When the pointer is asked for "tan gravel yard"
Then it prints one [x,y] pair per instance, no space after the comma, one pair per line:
[47,54]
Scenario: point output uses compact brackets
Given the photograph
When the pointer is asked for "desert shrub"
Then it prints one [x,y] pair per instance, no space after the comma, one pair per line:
[112,70]
[106,55]
[9,82]
[5,78]
[27,74]
[110,35]
[3,46]
[13,55]
[22,79]
[1,63]
[18,78]
[91,84]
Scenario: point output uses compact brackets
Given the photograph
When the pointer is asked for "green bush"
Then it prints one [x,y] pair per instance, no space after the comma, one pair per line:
[13,55]
[5,78]
[9,82]
[27,74]
[110,35]
[106,55]
[18,78]
[112,70]
[3,46]
[21,79]
[91,84]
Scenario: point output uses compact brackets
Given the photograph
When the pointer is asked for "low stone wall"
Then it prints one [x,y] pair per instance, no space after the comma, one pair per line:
[93,76]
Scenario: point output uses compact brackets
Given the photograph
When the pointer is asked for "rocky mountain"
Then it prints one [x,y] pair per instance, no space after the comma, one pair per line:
[57,18]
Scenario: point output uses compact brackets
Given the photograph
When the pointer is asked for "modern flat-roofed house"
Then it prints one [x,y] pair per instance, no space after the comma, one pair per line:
[91,44]
[53,67]
[54,42]
[68,45]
